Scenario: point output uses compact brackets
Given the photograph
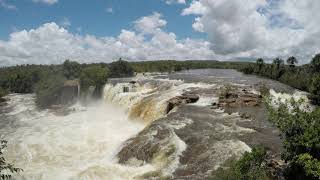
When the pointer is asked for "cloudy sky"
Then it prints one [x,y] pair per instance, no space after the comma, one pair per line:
[50,31]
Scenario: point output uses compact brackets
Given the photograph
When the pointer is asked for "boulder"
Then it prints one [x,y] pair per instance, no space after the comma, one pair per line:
[238,98]
[185,98]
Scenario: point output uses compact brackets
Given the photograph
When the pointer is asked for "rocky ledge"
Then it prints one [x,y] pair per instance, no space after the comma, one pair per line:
[239,98]
[185,98]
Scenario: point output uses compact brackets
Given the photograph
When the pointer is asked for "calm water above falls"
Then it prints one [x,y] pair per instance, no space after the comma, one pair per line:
[89,143]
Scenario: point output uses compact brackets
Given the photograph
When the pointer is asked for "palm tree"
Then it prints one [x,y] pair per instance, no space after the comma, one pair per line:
[260,63]
[292,61]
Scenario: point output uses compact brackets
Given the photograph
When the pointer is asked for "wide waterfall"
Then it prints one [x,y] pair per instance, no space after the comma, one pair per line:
[131,133]
[81,145]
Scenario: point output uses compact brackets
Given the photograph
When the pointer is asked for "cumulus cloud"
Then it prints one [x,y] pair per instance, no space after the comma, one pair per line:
[49,2]
[51,43]
[238,28]
[150,24]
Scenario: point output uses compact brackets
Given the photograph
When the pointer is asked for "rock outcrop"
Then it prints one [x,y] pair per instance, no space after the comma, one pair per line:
[239,98]
[185,98]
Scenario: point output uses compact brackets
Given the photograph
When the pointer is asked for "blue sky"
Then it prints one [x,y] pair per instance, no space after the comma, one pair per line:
[50,31]
[94,16]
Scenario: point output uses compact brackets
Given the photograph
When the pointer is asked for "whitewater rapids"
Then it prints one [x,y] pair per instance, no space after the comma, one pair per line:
[81,145]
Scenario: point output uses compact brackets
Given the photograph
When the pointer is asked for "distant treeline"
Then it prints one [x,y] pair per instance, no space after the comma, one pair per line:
[306,77]
[171,66]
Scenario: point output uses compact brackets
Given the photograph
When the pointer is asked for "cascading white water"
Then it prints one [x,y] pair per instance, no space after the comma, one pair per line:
[81,145]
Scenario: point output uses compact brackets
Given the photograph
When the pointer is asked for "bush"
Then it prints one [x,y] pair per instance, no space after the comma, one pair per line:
[301,141]
[47,90]
[120,69]
[251,166]
[93,76]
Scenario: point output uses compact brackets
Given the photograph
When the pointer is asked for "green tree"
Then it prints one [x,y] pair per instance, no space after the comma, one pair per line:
[94,75]
[6,169]
[292,61]
[301,142]
[71,69]
[251,166]
[315,89]
[315,63]
[48,89]
[120,68]
[278,62]
[260,63]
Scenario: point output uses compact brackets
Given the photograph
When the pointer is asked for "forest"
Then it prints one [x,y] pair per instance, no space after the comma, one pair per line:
[305,77]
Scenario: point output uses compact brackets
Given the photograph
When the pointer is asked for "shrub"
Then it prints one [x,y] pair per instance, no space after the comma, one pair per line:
[251,166]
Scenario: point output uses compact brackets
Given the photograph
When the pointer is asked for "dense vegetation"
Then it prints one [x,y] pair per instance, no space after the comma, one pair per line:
[171,66]
[251,166]
[300,131]
[47,80]
[306,77]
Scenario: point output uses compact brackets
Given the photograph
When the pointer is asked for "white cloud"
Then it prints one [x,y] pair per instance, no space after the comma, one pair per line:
[253,28]
[6,5]
[51,43]
[49,2]
[150,24]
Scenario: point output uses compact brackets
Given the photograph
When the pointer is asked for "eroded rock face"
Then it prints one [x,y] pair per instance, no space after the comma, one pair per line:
[239,98]
[185,98]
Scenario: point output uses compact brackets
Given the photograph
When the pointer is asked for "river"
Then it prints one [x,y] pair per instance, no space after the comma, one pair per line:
[129,135]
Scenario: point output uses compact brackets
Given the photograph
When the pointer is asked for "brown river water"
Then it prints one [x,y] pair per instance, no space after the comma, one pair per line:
[129,135]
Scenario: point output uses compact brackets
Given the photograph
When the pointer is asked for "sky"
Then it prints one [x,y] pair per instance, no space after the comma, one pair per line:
[51,31]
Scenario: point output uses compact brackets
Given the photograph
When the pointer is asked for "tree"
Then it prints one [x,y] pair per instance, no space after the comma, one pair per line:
[315,90]
[71,69]
[278,62]
[120,68]
[292,61]
[315,63]
[251,166]
[6,169]
[260,63]
[300,131]
[93,76]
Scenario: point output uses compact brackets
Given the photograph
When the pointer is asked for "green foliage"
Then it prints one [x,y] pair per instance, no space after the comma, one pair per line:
[260,63]
[251,166]
[48,89]
[315,89]
[3,92]
[95,75]
[71,69]
[292,61]
[6,169]
[315,64]
[170,65]
[299,77]
[301,141]
[120,68]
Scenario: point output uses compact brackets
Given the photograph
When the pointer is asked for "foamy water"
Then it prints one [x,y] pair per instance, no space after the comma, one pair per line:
[81,145]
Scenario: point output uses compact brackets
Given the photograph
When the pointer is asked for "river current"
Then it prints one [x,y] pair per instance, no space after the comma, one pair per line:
[92,141]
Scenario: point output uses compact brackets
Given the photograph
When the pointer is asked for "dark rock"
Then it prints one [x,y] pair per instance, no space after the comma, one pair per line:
[240,98]
[185,98]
